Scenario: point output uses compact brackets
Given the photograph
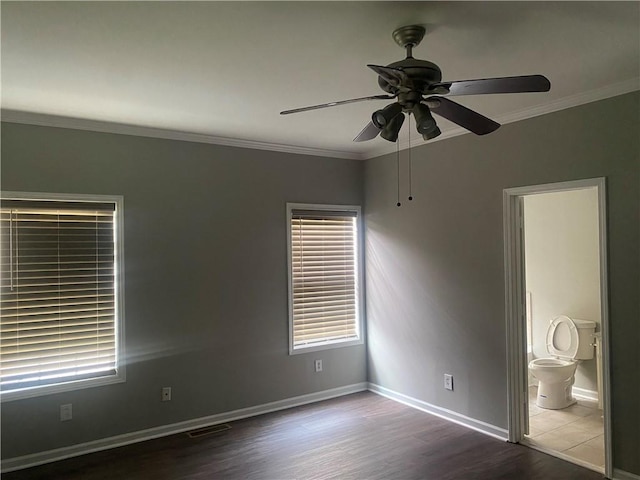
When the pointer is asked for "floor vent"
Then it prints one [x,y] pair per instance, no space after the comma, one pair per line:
[209,430]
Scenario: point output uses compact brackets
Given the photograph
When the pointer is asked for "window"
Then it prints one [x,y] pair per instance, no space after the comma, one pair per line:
[61,313]
[324,277]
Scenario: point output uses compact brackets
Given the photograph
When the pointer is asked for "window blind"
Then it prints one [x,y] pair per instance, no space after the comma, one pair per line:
[324,276]
[57,315]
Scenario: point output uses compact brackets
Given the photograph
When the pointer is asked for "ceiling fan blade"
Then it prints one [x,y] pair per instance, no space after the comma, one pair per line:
[527,83]
[466,118]
[393,76]
[341,102]
[368,133]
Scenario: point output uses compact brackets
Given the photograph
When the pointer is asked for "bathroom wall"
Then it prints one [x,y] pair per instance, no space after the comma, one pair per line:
[562,266]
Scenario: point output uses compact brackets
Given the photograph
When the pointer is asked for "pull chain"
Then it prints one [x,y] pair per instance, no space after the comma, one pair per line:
[11,244]
[410,195]
[398,169]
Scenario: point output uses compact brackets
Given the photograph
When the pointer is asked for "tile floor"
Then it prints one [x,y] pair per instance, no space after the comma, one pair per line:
[576,431]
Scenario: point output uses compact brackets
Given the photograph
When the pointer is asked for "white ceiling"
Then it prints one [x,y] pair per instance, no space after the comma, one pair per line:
[222,71]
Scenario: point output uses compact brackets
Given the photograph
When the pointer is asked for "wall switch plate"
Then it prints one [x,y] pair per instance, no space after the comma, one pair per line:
[66,412]
[448,381]
[166,394]
[318,365]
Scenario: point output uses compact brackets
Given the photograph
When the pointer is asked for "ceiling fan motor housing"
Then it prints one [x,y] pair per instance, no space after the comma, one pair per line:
[421,73]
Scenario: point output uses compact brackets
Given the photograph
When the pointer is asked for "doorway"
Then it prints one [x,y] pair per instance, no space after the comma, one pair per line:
[541,268]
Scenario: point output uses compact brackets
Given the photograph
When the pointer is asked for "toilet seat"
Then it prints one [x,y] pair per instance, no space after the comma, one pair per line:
[562,338]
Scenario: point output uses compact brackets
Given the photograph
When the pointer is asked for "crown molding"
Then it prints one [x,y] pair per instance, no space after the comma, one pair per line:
[58,121]
[40,119]
[590,96]
[583,98]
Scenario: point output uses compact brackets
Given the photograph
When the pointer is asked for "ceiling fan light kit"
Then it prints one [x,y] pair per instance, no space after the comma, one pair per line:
[417,87]
[392,130]
[381,118]
[432,134]
[425,122]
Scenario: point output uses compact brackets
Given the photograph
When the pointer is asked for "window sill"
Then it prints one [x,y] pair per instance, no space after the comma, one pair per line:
[325,346]
[12,395]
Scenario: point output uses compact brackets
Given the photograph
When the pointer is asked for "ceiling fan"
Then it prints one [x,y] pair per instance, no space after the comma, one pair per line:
[418,89]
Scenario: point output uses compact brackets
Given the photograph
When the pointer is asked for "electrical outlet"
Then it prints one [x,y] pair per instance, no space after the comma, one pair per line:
[66,412]
[318,365]
[166,394]
[448,381]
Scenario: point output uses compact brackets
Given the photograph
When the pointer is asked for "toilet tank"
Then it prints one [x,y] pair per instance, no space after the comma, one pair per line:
[586,329]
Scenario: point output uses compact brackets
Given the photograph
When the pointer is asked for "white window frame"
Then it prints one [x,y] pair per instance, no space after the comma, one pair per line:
[120,375]
[330,344]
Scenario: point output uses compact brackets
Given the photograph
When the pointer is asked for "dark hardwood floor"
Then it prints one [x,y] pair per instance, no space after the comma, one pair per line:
[359,436]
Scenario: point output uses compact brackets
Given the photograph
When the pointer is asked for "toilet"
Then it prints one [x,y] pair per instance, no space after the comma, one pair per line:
[568,341]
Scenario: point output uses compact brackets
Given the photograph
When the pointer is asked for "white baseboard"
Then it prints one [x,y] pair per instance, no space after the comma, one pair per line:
[622,475]
[26,461]
[479,426]
[584,393]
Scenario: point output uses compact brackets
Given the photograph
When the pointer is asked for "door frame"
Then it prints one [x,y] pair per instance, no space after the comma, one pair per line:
[515,309]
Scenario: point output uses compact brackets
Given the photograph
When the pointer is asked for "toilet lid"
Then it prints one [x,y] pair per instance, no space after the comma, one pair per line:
[562,337]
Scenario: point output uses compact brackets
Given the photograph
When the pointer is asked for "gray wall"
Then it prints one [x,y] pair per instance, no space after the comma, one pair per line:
[435,269]
[206,305]
[205,277]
